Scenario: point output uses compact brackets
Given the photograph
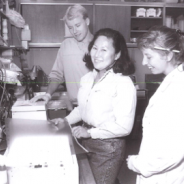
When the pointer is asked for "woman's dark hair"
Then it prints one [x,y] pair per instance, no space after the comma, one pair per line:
[122,65]
[167,38]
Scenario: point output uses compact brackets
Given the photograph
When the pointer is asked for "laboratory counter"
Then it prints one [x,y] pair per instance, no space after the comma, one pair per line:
[30,144]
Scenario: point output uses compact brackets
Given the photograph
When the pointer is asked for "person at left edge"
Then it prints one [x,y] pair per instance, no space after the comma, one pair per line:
[69,66]
[106,104]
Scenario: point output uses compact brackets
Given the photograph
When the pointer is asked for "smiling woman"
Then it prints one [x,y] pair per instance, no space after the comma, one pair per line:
[111,44]
[106,104]
[162,49]
[103,53]
[160,159]
[157,63]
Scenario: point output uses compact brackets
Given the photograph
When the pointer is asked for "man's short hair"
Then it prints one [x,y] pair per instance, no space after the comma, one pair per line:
[74,11]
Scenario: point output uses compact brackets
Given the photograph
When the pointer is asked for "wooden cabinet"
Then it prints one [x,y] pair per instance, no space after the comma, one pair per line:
[48,29]
[113,16]
[46,24]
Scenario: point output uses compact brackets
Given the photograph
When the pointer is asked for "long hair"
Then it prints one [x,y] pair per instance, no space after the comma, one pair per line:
[122,65]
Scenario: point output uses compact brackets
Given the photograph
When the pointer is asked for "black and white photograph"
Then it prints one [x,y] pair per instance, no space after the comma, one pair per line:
[91,91]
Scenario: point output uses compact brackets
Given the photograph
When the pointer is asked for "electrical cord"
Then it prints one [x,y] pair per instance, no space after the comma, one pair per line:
[2,77]
[6,105]
[3,82]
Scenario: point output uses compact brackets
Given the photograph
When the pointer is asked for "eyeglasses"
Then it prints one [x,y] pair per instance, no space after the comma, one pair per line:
[161,48]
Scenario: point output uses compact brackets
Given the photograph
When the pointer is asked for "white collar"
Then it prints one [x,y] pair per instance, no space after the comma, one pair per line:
[104,75]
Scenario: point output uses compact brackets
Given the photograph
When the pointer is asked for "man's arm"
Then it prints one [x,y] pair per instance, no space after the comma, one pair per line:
[53,85]
[50,90]
[57,77]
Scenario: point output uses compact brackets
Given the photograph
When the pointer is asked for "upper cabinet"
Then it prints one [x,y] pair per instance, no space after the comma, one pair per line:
[113,16]
[46,21]
[48,29]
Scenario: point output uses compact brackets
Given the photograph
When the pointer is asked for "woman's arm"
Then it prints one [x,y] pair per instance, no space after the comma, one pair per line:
[74,116]
[161,147]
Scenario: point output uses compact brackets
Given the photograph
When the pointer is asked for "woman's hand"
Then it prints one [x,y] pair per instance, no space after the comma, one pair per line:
[80,132]
[58,123]
[130,163]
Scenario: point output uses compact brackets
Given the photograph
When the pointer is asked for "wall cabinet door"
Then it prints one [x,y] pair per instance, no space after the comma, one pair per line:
[115,17]
[45,21]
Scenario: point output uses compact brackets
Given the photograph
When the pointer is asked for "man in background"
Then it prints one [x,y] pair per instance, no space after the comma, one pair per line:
[69,66]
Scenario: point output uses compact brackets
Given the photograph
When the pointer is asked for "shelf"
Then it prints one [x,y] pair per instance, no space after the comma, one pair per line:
[43,45]
[11,47]
[174,5]
[153,4]
[134,17]
[57,45]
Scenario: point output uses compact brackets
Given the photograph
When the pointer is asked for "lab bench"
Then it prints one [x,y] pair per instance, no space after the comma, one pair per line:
[23,135]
